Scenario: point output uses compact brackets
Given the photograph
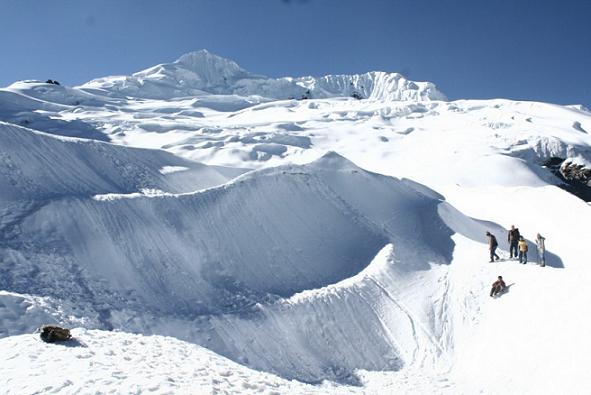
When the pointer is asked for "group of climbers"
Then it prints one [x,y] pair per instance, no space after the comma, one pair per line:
[517,249]
[517,246]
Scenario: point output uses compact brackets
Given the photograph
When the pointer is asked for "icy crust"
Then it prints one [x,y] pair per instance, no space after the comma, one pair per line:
[37,166]
[201,72]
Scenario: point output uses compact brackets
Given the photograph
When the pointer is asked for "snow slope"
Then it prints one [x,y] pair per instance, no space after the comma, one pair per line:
[534,338]
[473,327]
[212,258]
[36,166]
[109,362]
[391,138]
[310,267]
[403,139]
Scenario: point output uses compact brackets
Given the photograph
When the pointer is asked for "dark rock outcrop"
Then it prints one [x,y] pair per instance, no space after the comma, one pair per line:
[576,178]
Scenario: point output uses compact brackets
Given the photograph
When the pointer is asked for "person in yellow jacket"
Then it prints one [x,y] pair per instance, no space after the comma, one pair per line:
[522,246]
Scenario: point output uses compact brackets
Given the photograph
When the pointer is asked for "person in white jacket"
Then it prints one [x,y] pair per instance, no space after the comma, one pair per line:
[540,243]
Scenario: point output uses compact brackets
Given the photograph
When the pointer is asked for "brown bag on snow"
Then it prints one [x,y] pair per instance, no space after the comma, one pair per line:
[51,334]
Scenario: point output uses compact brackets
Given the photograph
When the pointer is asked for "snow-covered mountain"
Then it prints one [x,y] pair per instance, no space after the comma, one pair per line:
[321,239]
[201,72]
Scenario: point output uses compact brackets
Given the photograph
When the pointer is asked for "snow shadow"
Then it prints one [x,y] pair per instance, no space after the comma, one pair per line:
[505,291]
[72,343]
[438,234]
[70,128]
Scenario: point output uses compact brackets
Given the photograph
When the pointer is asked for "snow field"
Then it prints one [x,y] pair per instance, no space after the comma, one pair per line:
[315,270]
[115,362]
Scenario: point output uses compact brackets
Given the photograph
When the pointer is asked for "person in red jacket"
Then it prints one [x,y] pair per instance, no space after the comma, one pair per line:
[498,286]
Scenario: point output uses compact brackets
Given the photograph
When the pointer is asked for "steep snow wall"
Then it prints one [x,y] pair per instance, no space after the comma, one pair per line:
[201,72]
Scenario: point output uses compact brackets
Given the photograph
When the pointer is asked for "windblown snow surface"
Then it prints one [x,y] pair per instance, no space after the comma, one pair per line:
[203,233]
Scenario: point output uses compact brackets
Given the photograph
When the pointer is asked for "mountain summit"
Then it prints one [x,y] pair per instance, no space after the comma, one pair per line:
[201,72]
[204,61]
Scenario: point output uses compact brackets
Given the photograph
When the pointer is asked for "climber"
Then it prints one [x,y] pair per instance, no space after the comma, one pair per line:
[492,246]
[498,286]
[541,246]
[522,250]
[513,240]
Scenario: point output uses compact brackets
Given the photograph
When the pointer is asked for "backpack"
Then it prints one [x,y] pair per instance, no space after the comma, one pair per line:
[493,241]
[52,334]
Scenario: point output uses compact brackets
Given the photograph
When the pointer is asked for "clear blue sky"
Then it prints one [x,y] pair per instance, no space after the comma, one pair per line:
[519,49]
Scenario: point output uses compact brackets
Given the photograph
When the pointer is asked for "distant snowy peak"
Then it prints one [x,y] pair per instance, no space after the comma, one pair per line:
[201,72]
[205,62]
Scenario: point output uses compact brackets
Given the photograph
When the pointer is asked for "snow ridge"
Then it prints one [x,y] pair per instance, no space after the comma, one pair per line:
[201,72]
[39,166]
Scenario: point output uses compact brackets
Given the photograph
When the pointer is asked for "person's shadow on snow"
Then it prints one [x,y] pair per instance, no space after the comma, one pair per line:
[505,290]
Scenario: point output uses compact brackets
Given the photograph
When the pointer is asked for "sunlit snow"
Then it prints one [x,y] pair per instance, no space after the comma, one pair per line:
[208,230]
